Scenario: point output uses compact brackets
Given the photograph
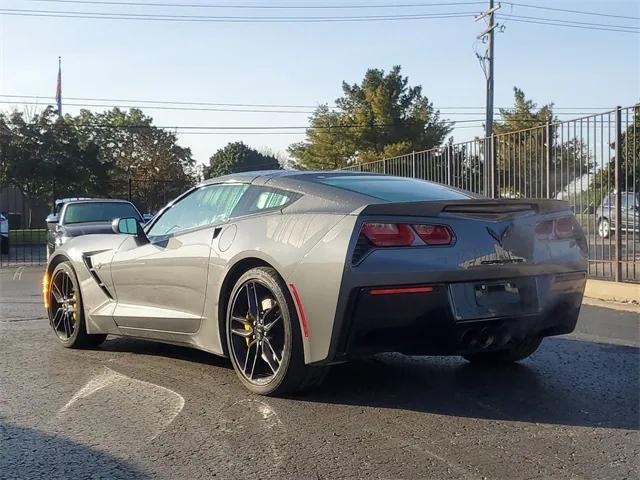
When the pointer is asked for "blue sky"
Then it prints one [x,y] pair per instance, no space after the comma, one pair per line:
[304,64]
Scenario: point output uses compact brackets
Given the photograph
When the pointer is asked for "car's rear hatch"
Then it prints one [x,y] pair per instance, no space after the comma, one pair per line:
[499,255]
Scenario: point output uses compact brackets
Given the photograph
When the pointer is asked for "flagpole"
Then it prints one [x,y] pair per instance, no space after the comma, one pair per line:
[59,88]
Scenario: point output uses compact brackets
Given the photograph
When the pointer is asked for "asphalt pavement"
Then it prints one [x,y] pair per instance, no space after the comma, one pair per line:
[136,409]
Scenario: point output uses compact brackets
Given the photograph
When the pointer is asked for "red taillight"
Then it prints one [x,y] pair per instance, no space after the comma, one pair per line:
[566,227]
[544,230]
[434,234]
[388,234]
[558,229]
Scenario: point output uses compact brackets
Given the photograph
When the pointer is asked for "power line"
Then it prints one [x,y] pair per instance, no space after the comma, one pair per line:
[579,12]
[268,128]
[157,107]
[168,102]
[570,25]
[570,22]
[326,7]
[312,19]
[226,110]
[258,105]
[273,127]
[227,19]
[261,7]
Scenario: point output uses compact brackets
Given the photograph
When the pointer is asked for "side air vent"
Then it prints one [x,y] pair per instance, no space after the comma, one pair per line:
[94,274]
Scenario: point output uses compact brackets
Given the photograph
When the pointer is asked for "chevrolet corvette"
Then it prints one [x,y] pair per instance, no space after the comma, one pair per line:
[288,272]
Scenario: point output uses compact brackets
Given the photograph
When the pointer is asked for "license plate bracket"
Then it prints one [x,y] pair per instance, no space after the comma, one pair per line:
[494,299]
[496,293]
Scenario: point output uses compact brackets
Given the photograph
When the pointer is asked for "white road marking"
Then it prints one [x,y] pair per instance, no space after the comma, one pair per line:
[18,274]
[135,407]
[238,426]
[459,470]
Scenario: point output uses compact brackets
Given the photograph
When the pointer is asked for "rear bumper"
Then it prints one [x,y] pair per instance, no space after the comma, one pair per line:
[442,321]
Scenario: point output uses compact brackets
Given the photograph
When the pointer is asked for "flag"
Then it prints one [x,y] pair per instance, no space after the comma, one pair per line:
[59,88]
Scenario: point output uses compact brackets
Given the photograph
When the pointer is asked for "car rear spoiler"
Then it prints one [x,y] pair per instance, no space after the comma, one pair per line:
[474,208]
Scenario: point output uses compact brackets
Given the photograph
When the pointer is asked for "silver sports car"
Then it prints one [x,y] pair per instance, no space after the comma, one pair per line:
[288,272]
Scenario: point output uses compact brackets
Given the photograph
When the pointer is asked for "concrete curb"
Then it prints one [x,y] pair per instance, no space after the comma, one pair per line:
[624,296]
[622,307]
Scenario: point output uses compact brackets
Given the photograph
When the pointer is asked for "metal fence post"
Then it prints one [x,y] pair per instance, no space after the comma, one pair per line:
[494,164]
[384,167]
[449,165]
[618,194]
[487,165]
[548,155]
[413,164]
[129,189]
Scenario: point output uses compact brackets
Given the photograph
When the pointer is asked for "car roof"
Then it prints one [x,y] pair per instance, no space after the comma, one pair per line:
[57,201]
[97,200]
[258,175]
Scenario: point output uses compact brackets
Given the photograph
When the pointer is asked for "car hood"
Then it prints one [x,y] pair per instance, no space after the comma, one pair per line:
[78,229]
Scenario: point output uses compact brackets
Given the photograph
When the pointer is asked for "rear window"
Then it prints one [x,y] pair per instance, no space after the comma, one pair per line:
[98,212]
[394,189]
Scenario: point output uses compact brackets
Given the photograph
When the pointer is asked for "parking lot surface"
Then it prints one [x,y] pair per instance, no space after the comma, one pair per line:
[136,409]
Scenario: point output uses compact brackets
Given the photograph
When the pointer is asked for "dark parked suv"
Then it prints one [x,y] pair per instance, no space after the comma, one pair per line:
[630,213]
[85,217]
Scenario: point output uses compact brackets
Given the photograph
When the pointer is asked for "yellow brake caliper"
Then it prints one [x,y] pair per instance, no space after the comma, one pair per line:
[75,308]
[247,328]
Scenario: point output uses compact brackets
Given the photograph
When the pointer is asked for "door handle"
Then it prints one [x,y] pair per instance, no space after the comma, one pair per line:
[216,232]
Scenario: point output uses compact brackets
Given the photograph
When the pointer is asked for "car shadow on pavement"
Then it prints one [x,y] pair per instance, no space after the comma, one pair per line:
[29,453]
[566,382]
[157,349]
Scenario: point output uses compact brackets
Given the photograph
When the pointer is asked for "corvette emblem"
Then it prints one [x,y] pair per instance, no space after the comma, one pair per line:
[499,237]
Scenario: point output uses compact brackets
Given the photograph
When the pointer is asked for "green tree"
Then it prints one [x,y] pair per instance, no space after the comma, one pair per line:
[93,154]
[43,156]
[631,150]
[131,147]
[380,117]
[521,148]
[238,157]
[603,180]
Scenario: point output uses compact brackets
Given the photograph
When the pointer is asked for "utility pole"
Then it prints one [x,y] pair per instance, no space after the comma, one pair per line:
[59,88]
[486,61]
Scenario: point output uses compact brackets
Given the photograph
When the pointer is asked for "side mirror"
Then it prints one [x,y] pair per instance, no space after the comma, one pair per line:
[52,218]
[129,226]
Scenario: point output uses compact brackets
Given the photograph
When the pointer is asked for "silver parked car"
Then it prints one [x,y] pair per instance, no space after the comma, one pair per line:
[288,272]
[629,212]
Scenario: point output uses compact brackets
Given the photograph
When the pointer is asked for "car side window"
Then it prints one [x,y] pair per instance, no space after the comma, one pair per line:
[607,201]
[629,201]
[206,205]
[265,198]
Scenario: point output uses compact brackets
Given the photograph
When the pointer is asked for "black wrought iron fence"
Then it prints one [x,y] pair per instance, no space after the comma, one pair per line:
[592,162]
[23,226]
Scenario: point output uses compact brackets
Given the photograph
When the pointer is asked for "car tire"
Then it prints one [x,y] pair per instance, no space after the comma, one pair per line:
[69,325]
[4,246]
[604,228]
[249,343]
[514,354]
